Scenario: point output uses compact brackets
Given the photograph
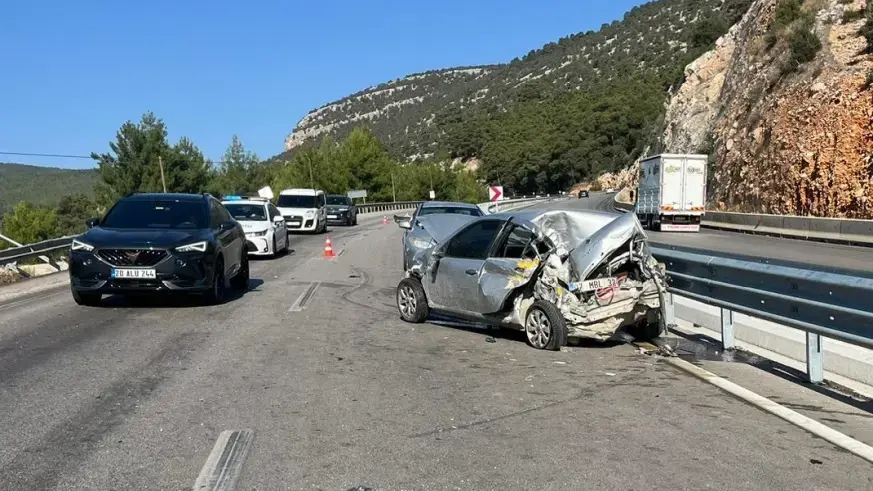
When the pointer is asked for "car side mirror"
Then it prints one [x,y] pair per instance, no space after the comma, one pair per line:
[227,225]
[92,222]
[403,221]
[278,219]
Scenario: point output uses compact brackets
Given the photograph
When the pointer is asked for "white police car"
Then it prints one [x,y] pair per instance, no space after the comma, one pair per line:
[263,224]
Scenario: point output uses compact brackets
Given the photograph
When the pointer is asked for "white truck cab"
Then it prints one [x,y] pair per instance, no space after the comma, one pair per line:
[303,210]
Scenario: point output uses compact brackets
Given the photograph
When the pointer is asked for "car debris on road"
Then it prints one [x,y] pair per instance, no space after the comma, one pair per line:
[554,273]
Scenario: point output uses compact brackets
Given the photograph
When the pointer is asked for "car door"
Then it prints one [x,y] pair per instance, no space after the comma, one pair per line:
[280,231]
[512,264]
[227,238]
[453,282]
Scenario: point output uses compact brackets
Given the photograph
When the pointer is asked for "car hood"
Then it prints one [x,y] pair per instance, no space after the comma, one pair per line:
[254,225]
[123,238]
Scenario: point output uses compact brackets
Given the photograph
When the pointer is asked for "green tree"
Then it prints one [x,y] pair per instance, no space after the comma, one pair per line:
[239,171]
[72,211]
[136,157]
[27,223]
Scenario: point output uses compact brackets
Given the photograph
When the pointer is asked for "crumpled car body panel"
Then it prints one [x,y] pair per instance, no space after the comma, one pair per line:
[568,247]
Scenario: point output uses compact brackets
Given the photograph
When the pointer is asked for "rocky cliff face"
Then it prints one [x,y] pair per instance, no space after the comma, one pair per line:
[785,139]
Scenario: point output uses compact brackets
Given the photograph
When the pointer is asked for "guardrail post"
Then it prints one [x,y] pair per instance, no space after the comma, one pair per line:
[727,329]
[814,358]
[669,311]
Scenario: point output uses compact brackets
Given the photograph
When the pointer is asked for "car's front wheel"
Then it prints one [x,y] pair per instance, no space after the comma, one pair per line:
[85,298]
[545,327]
[411,301]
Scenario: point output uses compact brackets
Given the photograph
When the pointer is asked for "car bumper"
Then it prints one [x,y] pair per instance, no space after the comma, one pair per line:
[181,273]
[303,225]
[260,246]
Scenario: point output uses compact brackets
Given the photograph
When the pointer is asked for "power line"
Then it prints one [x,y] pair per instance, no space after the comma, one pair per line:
[55,155]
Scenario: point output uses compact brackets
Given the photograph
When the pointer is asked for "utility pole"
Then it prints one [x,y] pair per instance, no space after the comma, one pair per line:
[311,180]
[393,189]
[163,179]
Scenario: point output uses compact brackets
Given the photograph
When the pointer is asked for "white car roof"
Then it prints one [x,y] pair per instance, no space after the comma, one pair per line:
[301,192]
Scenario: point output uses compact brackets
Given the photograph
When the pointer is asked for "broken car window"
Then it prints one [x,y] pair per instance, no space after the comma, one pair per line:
[516,245]
[475,241]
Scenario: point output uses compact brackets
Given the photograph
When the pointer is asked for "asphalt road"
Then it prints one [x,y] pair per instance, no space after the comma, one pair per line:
[340,392]
[826,256]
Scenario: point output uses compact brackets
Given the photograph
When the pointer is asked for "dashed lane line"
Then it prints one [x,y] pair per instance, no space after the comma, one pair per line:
[224,465]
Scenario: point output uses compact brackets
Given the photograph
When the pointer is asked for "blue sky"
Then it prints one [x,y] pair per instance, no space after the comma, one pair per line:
[74,71]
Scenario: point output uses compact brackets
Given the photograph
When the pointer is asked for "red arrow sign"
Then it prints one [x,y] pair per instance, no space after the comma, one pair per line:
[495,193]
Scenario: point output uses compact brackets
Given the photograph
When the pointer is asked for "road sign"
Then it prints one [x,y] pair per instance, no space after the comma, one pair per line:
[357,193]
[432,194]
[265,192]
[495,193]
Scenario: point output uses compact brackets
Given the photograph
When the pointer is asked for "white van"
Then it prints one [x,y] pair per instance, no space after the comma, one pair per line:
[303,210]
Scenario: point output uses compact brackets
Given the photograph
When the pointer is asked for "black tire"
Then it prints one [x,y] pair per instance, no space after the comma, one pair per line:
[287,245]
[411,301]
[275,251]
[241,280]
[355,221]
[86,298]
[545,327]
[648,331]
[215,296]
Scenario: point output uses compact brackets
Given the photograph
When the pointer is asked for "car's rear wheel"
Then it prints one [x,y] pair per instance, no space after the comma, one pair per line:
[241,280]
[650,328]
[545,327]
[85,298]
[411,301]
[216,292]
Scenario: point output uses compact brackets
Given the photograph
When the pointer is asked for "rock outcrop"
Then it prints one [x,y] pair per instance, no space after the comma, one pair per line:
[794,142]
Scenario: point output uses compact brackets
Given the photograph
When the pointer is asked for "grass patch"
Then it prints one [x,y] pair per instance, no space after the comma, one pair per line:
[853,15]
[794,25]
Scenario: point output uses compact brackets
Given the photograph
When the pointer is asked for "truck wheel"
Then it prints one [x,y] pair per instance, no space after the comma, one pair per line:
[411,301]
[545,327]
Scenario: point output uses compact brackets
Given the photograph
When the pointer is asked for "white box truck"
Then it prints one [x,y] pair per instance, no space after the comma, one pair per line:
[671,194]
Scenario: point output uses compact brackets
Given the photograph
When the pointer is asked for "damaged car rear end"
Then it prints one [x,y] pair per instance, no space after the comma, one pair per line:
[556,274]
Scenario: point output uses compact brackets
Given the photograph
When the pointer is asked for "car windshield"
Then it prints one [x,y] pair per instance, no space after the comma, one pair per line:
[457,210]
[296,201]
[337,200]
[137,213]
[247,212]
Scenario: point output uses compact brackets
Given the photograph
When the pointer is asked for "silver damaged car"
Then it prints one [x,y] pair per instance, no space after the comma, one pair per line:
[556,274]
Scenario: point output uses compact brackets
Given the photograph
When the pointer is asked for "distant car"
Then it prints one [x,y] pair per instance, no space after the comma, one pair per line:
[341,209]
[583,193]
[406,222]
[263,224]
[610,190]
[150,243]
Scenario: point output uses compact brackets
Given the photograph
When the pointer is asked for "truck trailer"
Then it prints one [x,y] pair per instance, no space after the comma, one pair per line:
[671,194]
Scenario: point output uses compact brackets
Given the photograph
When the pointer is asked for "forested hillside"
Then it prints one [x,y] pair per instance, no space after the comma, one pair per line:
[584,104]
[41,185]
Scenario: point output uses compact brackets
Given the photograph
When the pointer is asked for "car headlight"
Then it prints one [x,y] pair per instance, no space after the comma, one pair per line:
[195,247]
[78,245]
[257,234]
[310,214]
[420,243]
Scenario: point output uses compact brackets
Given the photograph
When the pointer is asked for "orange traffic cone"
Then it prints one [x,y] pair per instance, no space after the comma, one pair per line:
[328,249]
[385,220]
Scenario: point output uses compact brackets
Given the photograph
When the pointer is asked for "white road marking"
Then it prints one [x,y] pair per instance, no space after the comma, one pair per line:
[841,440]
[305,297]
[224,465]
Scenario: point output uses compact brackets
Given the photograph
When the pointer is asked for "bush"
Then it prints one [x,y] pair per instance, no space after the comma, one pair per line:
[867,30]
[853,15]
[803,43]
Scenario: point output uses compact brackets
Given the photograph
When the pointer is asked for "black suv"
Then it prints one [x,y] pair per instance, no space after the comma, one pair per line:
[341,209]
[149,243]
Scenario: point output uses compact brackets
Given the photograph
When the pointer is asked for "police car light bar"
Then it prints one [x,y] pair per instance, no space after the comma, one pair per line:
[243,198]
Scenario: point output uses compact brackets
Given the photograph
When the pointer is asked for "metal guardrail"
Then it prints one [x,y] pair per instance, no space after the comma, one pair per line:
[834,304]
[833,230]
[364,208]
[16,254]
